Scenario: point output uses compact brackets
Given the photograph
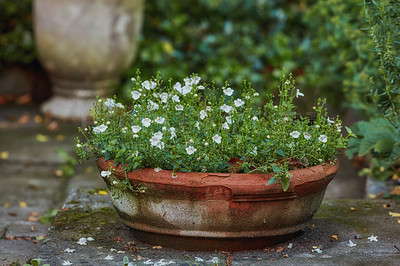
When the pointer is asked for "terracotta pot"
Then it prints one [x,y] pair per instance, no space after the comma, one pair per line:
[223,211]
[84,46]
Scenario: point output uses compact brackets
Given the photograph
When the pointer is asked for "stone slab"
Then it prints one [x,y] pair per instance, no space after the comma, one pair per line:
[89,214]
[31,230]
[21,251]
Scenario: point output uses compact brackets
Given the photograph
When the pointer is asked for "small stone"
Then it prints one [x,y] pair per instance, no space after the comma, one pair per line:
[357,236]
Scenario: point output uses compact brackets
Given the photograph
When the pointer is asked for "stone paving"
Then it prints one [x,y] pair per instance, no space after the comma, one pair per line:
[31,186]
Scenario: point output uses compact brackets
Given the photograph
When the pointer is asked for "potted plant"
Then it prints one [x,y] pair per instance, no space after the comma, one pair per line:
[192,166]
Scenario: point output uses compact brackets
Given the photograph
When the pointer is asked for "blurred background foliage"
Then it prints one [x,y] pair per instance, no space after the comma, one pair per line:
[323,43]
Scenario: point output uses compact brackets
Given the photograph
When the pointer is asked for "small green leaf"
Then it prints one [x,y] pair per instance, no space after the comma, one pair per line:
[280,152]
[273,180]
[276,169]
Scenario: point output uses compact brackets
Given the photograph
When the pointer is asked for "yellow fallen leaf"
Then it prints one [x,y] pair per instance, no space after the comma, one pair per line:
[102,192]
[7,205]
[38,119]
[386,205]
[394,214]
[42,138]
[4,155]
[59,172]
[372,196]
[398,221]
[335,237]
[23,204]
[313,226]
[352,209]
[60,137]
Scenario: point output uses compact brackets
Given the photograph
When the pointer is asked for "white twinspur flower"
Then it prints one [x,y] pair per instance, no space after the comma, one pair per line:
[200,88]
[105,173]
[175,98]
[164,97]
[217,138]
[78,145]
[149,85]
[226,108]
[110,102]
[228,91]
[119,105]
[229,119]
[179,107]
[186,89]
[298,93]
[203,114]
[323,138]
[159,120]
[154,141]
[225,125]
[153,105]
[255,118]
[197,125]
[136,129]
[158,135]
[238,102]
[208,108]
[82,241]
[99,129]
[192,81]
[66,262]
[172,130]
[146,122]
[351,244]
[306,135]
[190,150]
[256,94]
[158,169]
[295,134]
[330,121]
[136,95]
[135,136]
[373,238]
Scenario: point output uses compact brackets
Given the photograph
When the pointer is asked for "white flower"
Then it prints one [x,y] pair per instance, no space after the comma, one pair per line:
[192,80]
[186,89]
[153,105]
[105,173]
[238,102]
[159,120]
[173,175]
[90,238]
[179,107]
[164,97]
[99,129]
[217,138]
[158,169]
[82,241]
[133,79]
[255,118]
[205,143]
[154,141]
[135,95]
[228,91]
[330,121]
[225,125]
[373,238]
[78,145]
[197,125]
[256,94]
[351,244]
[306,135]
[136,129]
[109,102]
[298,93]
[69,250]
[109,257]
[190,150]
[229,119]
[164,128]
[119,105]
[200,88]
[295,134]
[149,85]
[208,108]
[203,114]
[161,145]
[135,136]
[323,138]
[178,87]
[198,259]
[226,108]
[175,98]
[173,135]
[158,135]
[148,262]
[115,182]
[146,122]
[66,262]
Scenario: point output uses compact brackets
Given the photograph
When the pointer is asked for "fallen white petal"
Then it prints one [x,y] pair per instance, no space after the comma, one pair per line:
[66,262]
[69,250]
[109,257]
[351,244]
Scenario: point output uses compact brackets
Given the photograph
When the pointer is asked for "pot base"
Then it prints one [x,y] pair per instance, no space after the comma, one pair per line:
[211,244]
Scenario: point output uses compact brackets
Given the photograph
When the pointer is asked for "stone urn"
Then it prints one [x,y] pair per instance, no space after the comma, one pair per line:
[84,45]
[216,211]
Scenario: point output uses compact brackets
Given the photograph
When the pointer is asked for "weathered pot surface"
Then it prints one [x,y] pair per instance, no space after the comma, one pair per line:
[218,211]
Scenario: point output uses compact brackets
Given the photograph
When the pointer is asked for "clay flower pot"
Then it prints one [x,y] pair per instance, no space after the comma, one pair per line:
[223,211]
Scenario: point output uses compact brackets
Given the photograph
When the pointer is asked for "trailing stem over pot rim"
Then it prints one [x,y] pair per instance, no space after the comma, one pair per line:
[188,126]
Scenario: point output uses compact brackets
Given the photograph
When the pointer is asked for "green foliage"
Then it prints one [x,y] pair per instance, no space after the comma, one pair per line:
[36,262]
[68,166]
[380,135]
[16,34]
[197,127]
[49,216]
